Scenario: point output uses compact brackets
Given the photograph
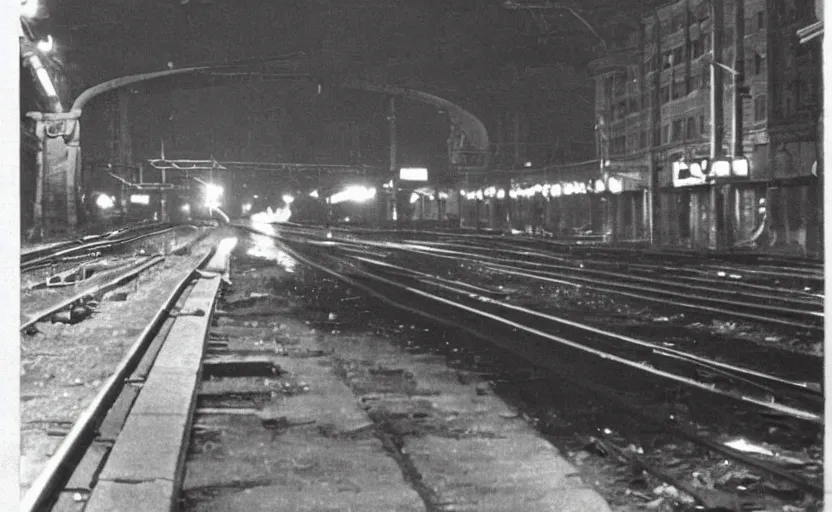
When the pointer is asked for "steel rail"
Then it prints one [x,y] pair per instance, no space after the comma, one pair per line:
[678,430]
[801,386]
[698,307]
[591,271]
[50,478]
[87,247]
[510,270]
[790,411]
[480,258]
[37,315]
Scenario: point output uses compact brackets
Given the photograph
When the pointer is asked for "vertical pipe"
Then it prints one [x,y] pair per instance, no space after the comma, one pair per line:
[717,131]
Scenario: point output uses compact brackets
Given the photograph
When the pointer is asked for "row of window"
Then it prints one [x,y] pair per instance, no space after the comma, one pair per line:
[679,130]
[754,23]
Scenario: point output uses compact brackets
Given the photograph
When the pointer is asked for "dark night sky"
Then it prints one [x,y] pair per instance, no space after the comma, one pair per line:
[470,51]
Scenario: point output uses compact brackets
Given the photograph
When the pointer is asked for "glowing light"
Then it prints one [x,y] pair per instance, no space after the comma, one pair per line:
[556,190]
[29,8]
[615,185]
[740,167]
[288,199]
[104,202]
[213,192]
[273,216]
[599,186]
[43,76]
[414,197]
[186,208]
[355,193]
[501,194]
[46,45]
[538,188]
[413,174]
[314,194]
[140,199]
[246,208]
[490,192]
[528,164]
[512,193]
[463,193]
[568,189]
[443,195]
[479,195]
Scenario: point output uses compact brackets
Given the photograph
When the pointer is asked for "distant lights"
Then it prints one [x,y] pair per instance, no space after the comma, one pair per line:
[414,197]
[599,186]
[105,202]
[501,194]
[288,198]
[354,193]
[615,185]
[140,199]
[528,164]
[46,45]
[314,194]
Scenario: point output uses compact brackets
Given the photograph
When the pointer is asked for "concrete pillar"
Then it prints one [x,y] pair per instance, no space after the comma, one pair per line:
[59,159]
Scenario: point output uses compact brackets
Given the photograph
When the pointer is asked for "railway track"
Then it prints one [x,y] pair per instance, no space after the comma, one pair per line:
[745,392]
[77,282]
[129,407]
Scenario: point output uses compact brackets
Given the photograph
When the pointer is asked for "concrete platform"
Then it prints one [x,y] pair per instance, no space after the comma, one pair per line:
[392,431]
[144,469]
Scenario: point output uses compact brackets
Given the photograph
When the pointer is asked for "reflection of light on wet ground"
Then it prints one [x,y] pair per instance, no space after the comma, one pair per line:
[226,245]
[744,446]
[265,247]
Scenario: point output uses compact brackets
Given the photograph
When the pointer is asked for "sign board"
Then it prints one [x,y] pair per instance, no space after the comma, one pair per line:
[413,174]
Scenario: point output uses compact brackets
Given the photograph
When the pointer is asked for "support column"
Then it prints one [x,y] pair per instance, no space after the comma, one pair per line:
[732,220]
[59,158]
[717,121]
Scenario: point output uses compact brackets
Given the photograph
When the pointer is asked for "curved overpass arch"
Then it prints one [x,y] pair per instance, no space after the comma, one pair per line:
[468,145]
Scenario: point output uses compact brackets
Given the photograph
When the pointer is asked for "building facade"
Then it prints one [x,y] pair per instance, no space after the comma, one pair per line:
[653,113]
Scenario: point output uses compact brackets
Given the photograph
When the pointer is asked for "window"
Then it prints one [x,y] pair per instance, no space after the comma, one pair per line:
[632,106]
[678,130]
[760,112]
[702,124]
[666,134]
[759,64]
[691,132]
[695,82]
[761,20]
[679,90]
[697,47]
[678,55]
[706,76]
[678,22]
[657,136]
[665,94]
[643,139]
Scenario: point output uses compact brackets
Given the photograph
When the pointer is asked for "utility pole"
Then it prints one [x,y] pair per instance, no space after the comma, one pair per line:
[391,118]
[739,95]
[717,118]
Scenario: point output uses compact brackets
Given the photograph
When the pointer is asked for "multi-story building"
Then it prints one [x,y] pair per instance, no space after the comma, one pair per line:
[795,86]
[653,104]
